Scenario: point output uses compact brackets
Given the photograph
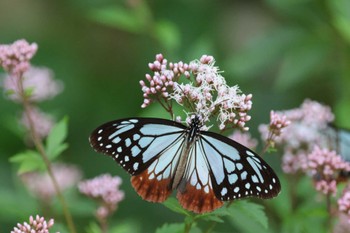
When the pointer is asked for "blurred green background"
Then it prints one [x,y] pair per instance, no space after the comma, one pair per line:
[281,51]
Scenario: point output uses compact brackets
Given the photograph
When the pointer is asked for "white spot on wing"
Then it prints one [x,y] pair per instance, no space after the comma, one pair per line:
[135,150]
[255,179]
[256,169]
[232,178]
[116,140]
[229,165]
[249,153]
[121,130]
[127,142]
[151,176]
[135,166]
[223,191]
[244,175]
[136,137]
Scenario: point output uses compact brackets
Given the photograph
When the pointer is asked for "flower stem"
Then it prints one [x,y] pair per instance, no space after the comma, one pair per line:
[40,147]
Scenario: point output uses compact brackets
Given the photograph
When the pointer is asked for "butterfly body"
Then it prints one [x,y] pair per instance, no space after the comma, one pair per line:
[204,167]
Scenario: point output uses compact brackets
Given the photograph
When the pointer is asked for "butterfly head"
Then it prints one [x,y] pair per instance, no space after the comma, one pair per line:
[196,122]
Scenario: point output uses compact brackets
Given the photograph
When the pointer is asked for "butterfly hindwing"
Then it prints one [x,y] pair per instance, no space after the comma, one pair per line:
[195,192]
[237,171]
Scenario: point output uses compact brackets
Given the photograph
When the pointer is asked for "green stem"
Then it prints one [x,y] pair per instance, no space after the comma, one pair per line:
[40,147]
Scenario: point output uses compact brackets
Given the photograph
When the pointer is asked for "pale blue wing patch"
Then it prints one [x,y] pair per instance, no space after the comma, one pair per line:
[236,171]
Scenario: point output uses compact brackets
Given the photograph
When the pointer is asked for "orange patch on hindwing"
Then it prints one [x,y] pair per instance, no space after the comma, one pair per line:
[197,200]
[152,190]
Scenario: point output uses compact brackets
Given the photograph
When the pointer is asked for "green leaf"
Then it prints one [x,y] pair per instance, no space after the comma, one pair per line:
[9,92]
[93,227]
[125,227]
[173,204]
[54,141]
[167,34]
[247,216]
[28,92]
[215,216]
[171,228]
[28,161]
[212,218]
[133,19]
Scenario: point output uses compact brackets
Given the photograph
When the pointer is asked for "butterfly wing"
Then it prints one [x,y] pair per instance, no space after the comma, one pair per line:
[195,191]
[236,171]
[147,148]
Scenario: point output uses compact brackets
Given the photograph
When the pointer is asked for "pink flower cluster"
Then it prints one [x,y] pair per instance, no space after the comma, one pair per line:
[35,225]
[291,163]
[42,122]
[40,184]
[344,203]
[305,130]
[14,58]
[105,188]
[38,83]
[325,165]
[204,92]
[277,123]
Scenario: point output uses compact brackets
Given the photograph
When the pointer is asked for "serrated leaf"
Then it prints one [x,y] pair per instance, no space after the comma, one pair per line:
[173,204]
[215,216]
[54,141]
[212,218]
[28,161]
[244,214]
[171,228]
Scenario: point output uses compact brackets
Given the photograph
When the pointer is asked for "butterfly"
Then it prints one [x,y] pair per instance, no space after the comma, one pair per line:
[205,168]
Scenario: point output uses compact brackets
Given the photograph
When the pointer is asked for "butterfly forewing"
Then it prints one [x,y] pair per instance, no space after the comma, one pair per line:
[136,143]
[237,171]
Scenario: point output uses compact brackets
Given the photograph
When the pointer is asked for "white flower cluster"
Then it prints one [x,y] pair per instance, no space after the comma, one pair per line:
[204,93]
